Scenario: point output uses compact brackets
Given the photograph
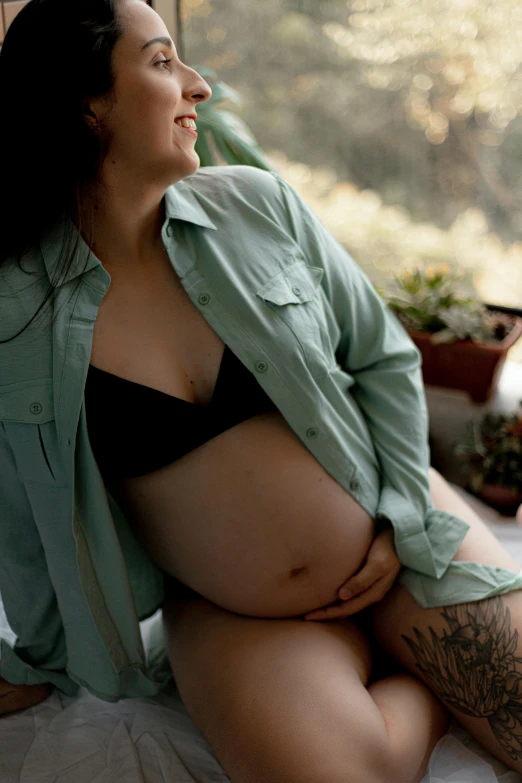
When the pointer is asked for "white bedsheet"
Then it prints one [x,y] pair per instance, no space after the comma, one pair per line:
[153,740]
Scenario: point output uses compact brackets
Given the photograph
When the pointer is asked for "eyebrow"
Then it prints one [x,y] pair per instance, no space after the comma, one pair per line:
[162,40]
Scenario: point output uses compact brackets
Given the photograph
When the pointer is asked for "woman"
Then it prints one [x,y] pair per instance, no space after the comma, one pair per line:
[258,499]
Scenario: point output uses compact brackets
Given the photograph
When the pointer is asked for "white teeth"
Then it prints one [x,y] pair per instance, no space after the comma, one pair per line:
[186,122]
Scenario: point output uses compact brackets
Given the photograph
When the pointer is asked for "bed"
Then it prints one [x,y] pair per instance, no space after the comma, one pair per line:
[153,740]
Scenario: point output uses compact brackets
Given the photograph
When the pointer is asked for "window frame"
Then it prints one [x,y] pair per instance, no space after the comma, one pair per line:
[169,12]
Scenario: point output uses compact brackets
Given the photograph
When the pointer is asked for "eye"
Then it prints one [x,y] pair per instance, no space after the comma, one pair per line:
[165,63]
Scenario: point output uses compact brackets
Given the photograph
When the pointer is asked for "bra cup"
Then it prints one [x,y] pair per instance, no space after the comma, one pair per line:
[126,445]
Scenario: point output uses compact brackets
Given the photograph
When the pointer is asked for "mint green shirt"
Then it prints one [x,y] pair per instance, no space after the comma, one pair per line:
[296,309]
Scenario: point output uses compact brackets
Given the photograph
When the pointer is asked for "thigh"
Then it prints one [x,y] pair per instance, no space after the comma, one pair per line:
[276,699]
[468,654]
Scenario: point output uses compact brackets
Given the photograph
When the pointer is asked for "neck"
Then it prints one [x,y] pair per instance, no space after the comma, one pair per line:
[126,225]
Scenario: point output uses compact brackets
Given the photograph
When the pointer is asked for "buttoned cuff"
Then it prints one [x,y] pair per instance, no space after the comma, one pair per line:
[424,542]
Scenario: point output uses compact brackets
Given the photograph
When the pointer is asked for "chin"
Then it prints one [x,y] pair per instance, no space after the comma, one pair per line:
[172,171]
[185,168]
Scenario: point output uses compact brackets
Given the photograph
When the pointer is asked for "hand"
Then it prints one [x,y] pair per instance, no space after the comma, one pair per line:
[20,697]
[368,585]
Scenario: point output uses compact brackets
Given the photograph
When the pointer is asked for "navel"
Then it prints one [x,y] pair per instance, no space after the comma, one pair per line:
[298,571]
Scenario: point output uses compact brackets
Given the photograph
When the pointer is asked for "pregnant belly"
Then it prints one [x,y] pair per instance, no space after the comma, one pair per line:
[251,521]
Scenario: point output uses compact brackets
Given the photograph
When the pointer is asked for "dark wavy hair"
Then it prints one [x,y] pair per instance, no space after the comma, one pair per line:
[56,54]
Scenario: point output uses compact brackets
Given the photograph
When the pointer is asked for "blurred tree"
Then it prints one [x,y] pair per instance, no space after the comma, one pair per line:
[419,100]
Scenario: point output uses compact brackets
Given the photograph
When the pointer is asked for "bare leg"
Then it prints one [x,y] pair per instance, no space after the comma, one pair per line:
[285,700]
[415,721]
[469,654]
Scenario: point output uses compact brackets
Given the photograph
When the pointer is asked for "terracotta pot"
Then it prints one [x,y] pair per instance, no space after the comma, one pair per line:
[502,498]
[464,364]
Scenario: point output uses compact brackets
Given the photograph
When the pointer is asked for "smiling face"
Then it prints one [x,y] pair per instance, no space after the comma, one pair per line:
[152,88]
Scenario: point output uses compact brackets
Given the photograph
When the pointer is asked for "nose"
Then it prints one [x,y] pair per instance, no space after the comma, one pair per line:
[204,91]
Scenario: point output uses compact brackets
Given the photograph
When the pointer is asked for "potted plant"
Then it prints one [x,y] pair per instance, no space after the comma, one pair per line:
[491,457]
[463,342]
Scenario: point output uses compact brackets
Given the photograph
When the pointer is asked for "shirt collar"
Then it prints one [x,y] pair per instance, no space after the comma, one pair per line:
[180,204]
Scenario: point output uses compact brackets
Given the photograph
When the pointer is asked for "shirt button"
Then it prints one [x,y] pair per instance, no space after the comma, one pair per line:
[261,366]
[296,290]
[170,230]
[311,433]
[354,485]
[204,299]
[36,408]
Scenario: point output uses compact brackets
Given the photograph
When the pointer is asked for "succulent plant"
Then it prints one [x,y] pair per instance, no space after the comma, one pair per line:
[491,451]
[441,301]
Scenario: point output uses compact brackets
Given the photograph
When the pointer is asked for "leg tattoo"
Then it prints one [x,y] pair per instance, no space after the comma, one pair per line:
[474,668]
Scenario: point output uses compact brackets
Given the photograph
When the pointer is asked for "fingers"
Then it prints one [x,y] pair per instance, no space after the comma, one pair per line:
[381,563]
[356,585]
[338,611]
[362,581]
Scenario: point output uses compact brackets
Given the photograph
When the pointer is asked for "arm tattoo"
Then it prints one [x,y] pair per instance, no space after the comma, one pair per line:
[474,667]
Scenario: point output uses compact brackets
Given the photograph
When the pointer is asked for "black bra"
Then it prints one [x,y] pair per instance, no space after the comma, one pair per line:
[135,429]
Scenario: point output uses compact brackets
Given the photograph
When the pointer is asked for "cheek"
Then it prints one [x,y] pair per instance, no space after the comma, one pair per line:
[144,125]
[156,116]
[142,117]
[147,101]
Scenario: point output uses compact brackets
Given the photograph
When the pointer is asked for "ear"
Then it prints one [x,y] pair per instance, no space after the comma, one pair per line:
[90,116]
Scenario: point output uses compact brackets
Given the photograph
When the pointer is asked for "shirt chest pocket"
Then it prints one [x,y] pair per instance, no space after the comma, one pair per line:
[296,297]
[27,414]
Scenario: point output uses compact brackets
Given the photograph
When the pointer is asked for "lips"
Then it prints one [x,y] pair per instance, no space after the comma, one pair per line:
[187,130]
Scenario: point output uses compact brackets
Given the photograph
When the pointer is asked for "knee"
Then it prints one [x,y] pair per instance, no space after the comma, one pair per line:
[384,767]
[370,772]
[375,761]
[371,760]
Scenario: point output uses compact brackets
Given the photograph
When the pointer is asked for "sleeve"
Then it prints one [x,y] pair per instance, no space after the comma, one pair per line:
[39,654]
[385,364]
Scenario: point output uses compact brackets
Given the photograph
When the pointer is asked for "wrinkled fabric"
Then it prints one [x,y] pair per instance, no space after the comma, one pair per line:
[154,740]
[456,587]
[452,761]
[297,310]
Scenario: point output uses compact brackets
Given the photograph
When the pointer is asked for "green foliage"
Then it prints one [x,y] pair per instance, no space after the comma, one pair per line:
[441,301]
[385,93]
[491,451]
[222,135]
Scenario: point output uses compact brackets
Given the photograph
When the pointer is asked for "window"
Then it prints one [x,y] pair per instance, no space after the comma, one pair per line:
[8,11]
[396,120]
[168,10]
